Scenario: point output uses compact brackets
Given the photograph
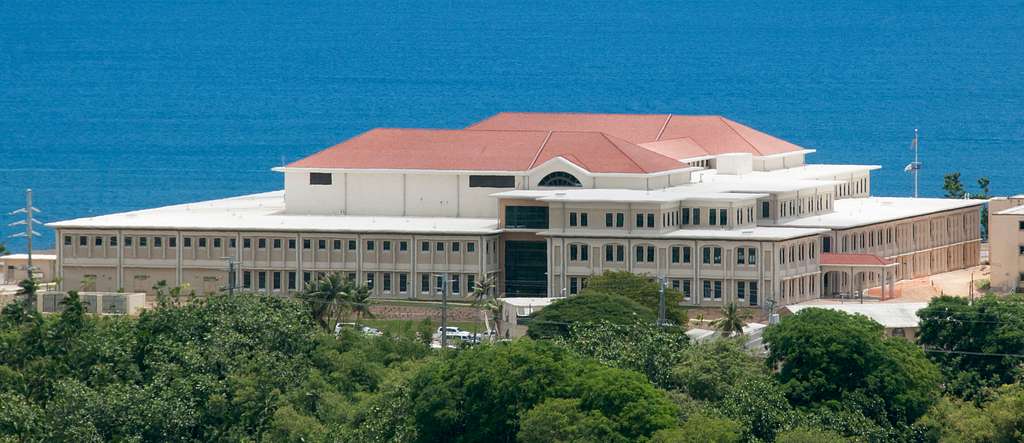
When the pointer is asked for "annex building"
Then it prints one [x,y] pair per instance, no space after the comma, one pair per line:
[540,201]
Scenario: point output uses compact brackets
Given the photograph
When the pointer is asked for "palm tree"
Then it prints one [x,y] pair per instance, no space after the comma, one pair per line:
[359,301]
[731,321]
[324,295]
[483,298]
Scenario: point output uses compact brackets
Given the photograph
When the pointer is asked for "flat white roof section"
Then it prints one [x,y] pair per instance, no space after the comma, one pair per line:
[1016,210]
[265,212]
[854,212]
[889,315]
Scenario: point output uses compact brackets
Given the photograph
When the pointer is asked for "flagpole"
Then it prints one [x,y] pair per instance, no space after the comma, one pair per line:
[917,166]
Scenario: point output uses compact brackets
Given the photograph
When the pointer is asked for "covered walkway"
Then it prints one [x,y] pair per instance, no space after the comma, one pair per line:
[848,275]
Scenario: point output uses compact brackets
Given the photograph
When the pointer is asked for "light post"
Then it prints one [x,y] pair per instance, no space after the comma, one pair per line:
[661,301]
[231,274]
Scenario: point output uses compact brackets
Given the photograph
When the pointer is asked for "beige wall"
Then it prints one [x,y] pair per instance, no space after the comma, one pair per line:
[1005,241]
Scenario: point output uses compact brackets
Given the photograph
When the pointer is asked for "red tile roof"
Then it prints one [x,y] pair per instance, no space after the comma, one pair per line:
[831,258]
[486,150]
[713,134]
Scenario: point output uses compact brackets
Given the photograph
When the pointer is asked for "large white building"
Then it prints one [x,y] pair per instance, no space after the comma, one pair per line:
[541,201]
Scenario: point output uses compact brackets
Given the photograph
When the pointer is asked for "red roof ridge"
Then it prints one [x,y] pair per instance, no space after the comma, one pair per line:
[540,150]
[662,131]
[727,124]
[625,154]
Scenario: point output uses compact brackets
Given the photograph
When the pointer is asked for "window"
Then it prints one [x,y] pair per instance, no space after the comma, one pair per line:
[706,255]
[246,243]
[99,241]
[1020,225]
[291,280]
[202,242]
[307,243]
[609,219]
[492,181]
[583,219]
[696,216]
[639,220]
[172,242]
[424,283]
[67,240]
[712,217]
[439,246]
[143,241]
[741,290]
[687,290]
[186,242]
[751,256]
[676,254]
[261,278]
[156,242]
[456,246]
[113,241]
[127,241]
[386,282]
[686,254]
[741,256]
[319,178]
[1020,249]
[370,245]
[232,243]
[707,290]
[572,219]
[470,246]
[277,280]
[718,256]
[403,283]
[386,245]
[560,179]
[826,244]
[455,283]
[723,219]
[276,243]
[650,220]
[620,220]
[216,242]
[609,253]
[260,243]
[307,277]
[526,217]
[685,213]
[83,240]
[351,245]
[718,289]
[425,246]
[321,244]
[247,279]
[765,210]
[336,244]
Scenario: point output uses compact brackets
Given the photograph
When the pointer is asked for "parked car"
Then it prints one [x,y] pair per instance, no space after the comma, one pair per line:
[454,331]
[372,331]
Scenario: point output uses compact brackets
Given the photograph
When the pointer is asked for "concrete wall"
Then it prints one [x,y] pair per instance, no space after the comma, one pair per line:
[1005,242]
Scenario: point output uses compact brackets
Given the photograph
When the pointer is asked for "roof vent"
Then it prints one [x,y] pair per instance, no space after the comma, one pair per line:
[747,231]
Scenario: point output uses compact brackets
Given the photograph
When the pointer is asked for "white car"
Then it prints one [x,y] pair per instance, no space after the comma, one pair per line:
[372,331]
[454,331]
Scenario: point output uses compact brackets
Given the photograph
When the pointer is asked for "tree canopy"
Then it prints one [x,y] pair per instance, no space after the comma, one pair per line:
[639,288]
[555,319]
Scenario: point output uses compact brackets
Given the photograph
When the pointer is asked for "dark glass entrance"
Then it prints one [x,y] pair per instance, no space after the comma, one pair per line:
[526,265]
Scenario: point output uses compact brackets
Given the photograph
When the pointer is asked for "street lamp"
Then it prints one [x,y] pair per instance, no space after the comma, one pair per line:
[231,274]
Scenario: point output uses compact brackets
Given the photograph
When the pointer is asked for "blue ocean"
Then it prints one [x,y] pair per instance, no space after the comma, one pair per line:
[114,106]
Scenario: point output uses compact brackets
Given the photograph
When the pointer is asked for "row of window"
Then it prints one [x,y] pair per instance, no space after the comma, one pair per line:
[682,217]
[389,282]
[810,204]
[800,252]
[711,255]
[261,243]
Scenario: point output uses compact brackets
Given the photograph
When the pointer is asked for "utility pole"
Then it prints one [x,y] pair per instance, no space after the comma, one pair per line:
[915,166]
[444,310]
[661,301]
[29,223]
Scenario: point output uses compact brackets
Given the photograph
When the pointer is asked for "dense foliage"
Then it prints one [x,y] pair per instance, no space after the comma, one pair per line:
[555,319]
[251,368]
[978,346]
[641,289]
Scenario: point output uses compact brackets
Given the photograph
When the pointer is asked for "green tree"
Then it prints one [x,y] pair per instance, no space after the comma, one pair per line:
[951,420]
[555,319]
[29,289]
[702,428]
[640,346]
[326,297]
[561,420]
[732,320]
[982,337]
[641,289]
[360,301]
[829,356]
[983,187]
[952,185]
[810,435]
[709,371]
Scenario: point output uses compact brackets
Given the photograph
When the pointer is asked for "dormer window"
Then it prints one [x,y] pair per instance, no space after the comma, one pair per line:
[559,179]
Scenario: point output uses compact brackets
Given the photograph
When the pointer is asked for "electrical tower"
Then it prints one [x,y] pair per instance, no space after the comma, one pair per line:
[29,223]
